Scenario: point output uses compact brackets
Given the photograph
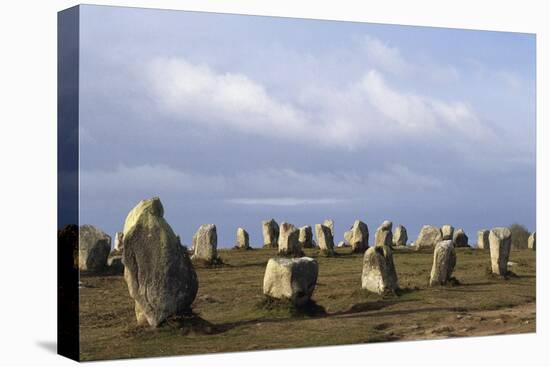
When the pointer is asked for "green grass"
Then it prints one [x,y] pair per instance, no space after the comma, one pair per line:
[231,313]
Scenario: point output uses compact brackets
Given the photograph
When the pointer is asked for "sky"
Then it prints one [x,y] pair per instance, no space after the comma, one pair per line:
[234,119]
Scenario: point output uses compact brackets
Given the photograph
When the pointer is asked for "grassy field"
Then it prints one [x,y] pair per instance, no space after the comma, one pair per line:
[232,314]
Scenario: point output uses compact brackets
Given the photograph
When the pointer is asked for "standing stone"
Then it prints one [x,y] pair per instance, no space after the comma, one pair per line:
[500,241]
[205,244]
[293,280]
[358,236]
[483,239]
[460,239]
[400,237]
[447,232]
[342,244]
[444,263]
[289,244]
[242,239]
[306,237]
[115,265]
[330,224]
[383,235]
[159,274]
[532,241]
[428,237]
[270,231]
[347,238]
[324,239]
[94,247]
[118,241]
[379,275]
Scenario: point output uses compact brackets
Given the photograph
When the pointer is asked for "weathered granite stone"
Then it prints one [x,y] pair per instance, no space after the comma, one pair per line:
[447,232]
[242,241]
[532,241]
[500,242]
[291,279]
[118,241]
[205,244]
[483,239]
[444,263]
[460,239]
[306,237]
[400,236]
[94,247]
[379,275]
[330,224]
[115,265]
[289,244]
[358,236]
[324,239]
[428,237]
[383,235]
[159,274]
[270,231]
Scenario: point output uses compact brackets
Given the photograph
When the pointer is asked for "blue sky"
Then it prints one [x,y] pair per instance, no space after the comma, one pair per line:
[234,119]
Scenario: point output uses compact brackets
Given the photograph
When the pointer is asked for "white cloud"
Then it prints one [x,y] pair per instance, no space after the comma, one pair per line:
[385,57]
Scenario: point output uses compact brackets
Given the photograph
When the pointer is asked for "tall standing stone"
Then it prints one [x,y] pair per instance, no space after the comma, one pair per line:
[330,224]
[400,236]
[289,244]
[270,231]
[460,239]
[306,237]
[532,241]
[242,241]
[94,247]
[483,239]
[293,280]
[447,232]
[159,274]
[358,237]
[118,241]
[428,237]
[325,241]
[444,263]
[383,235]
[379,275]
[205,244]
[500,241]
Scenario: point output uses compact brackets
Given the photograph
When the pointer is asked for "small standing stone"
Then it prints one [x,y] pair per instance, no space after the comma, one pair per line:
[289,244]
[242,239]
[428,237]
[500,241]
[291,279]
[94,247]
[270,231]
[447,232]
[118,241]
[460,239]
[306,237]
[483,239]
[205,244]
[324,239]
[358,236]
[444,263]
[330,224]
[532,241]
[400,237]
[379,275]
[383,235]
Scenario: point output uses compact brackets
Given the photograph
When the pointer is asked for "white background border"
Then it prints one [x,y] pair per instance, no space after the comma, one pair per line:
[28,181]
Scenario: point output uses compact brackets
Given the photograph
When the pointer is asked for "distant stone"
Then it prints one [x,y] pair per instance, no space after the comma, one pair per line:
[242,241]
[289,244]
[157,269]
[428,237]
[447,232]
[270,231]
[94,248]
[306,237]
[383,235]
[342,244]
[347,237]
[460,239]
[293,280]
[115,265]
[330,224]
[379,275]
[325,240]
[205,244]
[483,239]
[532,241]
[500,241]
[400,236]
[443,264]
[358,236]
[118,241]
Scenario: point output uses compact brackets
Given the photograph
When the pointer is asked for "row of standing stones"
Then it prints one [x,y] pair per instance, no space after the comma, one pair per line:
[162,280]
